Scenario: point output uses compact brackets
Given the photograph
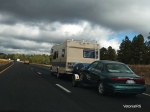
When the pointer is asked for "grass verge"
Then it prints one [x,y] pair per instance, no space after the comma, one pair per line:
[142,70]
[4,62]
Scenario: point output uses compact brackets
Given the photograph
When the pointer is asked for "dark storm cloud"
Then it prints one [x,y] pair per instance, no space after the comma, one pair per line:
[42,23]
[65,11]
[49,10]
[115,14]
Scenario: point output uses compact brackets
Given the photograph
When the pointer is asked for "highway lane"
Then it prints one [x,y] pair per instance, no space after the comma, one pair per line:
[32,88]
[88,97]
[21,89]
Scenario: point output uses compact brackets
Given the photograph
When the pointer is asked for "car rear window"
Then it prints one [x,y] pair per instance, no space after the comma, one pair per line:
[117,68]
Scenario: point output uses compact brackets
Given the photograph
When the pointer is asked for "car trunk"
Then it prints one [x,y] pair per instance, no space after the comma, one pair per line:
[126,78]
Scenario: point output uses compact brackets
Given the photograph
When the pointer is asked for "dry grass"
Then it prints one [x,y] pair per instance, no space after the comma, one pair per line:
[3,62]
[142,70]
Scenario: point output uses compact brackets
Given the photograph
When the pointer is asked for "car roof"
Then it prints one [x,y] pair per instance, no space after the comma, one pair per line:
[109,61]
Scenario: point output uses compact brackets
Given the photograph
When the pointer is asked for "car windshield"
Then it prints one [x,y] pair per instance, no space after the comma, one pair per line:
[118,68]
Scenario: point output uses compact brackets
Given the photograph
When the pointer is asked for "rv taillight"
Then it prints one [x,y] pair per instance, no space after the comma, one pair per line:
[70,64]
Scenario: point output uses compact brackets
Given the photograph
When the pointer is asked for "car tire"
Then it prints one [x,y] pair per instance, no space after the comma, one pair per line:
[101,90]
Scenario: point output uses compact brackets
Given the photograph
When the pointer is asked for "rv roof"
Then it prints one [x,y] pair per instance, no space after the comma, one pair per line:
[80,41]
[76,41]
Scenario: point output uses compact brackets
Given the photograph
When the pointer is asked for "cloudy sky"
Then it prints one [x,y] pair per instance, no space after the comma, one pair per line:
[34,26]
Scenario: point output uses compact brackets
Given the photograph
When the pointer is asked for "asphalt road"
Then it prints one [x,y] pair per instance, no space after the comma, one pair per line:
[33,88]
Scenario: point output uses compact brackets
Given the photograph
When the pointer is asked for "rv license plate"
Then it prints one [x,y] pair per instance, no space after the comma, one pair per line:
[130,82]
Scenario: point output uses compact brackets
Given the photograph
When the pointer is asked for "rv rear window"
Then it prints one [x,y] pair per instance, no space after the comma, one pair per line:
[90,54]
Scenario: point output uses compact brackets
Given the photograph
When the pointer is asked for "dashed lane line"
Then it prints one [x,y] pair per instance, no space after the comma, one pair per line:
[146,94]
[39,73]
[63,88]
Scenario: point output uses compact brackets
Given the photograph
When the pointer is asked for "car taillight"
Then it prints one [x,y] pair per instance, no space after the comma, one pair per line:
[125,79]
[119,79]
[139,79]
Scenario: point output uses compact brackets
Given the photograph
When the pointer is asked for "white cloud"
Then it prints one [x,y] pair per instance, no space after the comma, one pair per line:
[19,30]
[27,39]
[114,43]
[71,29]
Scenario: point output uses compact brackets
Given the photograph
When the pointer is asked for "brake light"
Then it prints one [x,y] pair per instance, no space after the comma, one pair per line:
[125,79]
[139,79]
[119,79]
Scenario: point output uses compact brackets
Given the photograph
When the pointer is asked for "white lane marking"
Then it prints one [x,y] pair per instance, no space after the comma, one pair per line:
[146,94]
[63,88]
[39,73]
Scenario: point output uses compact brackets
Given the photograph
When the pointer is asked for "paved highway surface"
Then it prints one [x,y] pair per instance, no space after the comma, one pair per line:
[32,88]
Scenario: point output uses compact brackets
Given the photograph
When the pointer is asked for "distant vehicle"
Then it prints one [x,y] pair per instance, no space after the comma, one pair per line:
[69,57]
[18,59]
[26,62]
[110,76]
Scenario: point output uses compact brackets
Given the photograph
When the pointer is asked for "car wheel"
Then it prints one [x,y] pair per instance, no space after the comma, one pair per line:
[101,90]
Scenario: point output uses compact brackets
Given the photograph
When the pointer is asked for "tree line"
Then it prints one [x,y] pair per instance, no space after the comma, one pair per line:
[40,59]
[136,51]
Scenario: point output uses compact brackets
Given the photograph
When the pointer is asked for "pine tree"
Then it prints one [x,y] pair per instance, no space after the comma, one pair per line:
[138,49]
[103,53]
[124,54]
[111,54]
[147,43]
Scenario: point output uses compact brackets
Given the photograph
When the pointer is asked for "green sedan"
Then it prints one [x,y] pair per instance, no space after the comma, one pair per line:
[111,76]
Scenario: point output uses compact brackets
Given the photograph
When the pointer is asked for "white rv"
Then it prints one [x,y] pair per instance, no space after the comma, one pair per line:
[66,55]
